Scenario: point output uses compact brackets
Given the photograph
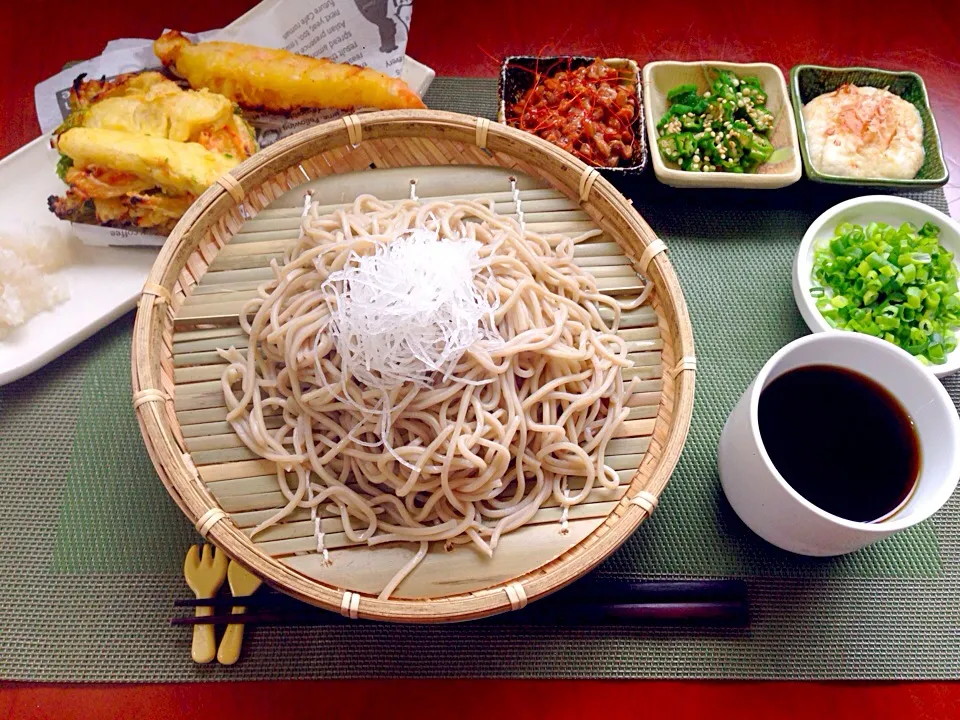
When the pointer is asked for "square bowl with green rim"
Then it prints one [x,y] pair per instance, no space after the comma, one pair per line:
[783,169]
[809,81]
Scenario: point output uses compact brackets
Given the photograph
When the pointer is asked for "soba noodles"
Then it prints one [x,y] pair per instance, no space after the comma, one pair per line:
[462,455]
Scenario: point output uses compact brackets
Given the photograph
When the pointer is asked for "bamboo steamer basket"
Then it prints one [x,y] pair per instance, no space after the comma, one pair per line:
[182,311]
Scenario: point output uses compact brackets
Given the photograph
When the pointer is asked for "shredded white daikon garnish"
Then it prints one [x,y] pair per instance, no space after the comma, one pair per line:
[411,309]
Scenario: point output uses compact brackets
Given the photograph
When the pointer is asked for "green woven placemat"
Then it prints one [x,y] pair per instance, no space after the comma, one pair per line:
[92,545]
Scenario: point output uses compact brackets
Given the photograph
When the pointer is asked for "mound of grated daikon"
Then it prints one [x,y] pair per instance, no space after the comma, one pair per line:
[27,260]
[411,309]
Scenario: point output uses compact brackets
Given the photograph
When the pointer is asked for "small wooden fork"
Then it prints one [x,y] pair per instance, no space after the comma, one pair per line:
[243,584]
[204,574]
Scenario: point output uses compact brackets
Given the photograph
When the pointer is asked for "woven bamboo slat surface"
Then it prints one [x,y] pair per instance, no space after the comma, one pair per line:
[219,254]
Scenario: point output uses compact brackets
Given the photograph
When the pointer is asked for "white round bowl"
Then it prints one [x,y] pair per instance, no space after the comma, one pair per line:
[773,509]
[862,211]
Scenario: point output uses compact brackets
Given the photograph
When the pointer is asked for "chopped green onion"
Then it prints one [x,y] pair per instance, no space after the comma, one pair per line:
[897,283]
[875,261]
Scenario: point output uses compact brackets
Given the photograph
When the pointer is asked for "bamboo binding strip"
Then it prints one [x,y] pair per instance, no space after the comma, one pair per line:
[204,271]
[161,293]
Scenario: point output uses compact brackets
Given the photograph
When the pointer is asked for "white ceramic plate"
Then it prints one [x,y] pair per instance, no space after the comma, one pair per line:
[861,211]
[104,282]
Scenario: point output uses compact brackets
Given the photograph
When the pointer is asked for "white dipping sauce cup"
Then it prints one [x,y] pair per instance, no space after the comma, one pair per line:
[778,513]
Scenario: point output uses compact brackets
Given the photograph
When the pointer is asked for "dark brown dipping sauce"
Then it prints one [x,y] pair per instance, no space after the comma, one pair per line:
[840,440]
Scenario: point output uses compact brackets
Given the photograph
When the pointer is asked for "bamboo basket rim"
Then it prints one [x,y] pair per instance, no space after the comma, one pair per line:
[602,202]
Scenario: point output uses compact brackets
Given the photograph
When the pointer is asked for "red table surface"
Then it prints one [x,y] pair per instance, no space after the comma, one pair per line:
[468,39]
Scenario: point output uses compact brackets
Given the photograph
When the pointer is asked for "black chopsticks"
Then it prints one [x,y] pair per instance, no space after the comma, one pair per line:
[588,602]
